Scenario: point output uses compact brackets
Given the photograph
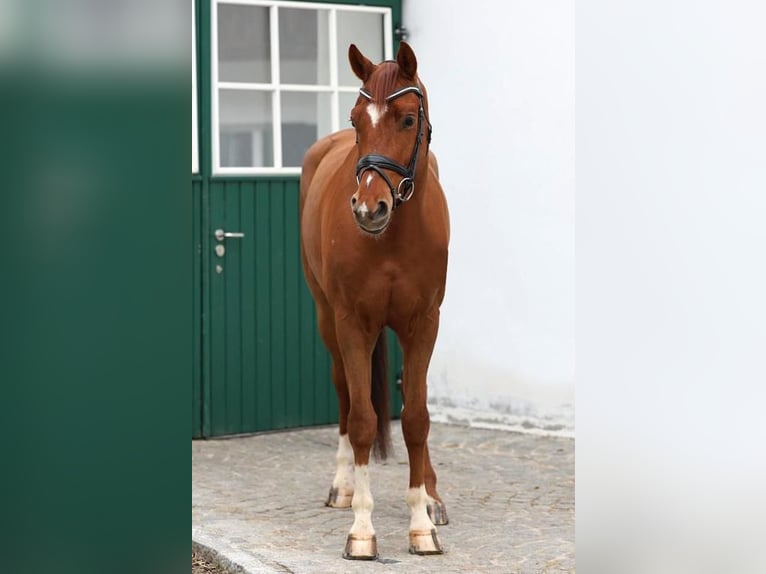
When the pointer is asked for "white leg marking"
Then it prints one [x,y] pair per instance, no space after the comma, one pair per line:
[362,503]
[344,474]
[417,500]
[375,112]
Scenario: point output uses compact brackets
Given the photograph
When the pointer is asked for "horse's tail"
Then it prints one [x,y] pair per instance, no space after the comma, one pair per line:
[380,400]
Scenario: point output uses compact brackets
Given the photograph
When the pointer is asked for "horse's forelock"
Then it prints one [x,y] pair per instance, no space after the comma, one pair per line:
[383,81]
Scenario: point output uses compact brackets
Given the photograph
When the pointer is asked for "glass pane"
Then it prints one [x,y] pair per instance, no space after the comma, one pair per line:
[244,49]
[366,31]
[346,103]
[304,46]
[305,118]
[245,128]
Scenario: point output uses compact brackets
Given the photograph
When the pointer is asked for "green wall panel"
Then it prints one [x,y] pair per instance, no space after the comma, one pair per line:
[197,307]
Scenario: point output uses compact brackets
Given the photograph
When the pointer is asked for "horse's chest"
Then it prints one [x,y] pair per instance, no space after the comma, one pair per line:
[389,287]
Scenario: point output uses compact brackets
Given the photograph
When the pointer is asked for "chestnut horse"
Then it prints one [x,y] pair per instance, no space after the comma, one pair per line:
[374,237]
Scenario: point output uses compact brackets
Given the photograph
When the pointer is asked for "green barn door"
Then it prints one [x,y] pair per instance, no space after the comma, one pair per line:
[273,90]
[268,368]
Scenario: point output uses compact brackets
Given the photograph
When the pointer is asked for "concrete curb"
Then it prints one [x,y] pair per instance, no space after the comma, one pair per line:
[232,559]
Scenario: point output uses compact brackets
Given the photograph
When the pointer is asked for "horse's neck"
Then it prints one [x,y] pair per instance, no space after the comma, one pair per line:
[418,213]
[424,190]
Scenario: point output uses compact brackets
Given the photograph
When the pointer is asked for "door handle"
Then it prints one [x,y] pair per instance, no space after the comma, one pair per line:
[220,234]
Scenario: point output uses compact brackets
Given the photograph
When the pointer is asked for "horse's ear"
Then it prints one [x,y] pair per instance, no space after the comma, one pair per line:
[407,61]
[362,67]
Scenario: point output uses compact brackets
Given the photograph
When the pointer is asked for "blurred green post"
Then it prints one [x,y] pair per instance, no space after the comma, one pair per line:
[95,276]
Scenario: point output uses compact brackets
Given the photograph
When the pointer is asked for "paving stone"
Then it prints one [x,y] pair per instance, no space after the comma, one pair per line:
[259,502]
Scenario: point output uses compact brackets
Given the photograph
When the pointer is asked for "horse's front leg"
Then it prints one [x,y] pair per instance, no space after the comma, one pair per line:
[418,344]
[356,349]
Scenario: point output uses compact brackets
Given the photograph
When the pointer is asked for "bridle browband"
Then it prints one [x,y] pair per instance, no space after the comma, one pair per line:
[377,163]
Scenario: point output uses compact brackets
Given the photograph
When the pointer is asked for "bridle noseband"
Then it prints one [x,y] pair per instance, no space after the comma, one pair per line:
[377,163]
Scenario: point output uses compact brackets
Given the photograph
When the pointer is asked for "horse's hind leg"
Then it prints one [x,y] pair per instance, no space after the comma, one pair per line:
[437,511]
[342,489]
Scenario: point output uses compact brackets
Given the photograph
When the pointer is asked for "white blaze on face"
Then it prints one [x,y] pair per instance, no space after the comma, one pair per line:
[369,180]
[417,500]
[362,503]
[344,474]
[363,209]
[375,112]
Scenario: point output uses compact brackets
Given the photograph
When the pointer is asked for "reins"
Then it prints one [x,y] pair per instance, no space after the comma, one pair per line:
[377,163]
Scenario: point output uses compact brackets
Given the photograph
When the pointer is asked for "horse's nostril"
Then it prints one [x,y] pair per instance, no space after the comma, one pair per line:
[353,201]
[381,211]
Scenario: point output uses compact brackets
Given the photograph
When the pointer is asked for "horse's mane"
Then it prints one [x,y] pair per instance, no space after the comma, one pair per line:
[381,83]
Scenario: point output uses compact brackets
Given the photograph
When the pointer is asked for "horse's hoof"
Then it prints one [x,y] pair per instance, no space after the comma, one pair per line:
[425,542]
[339,499]
[437,512]
[361,548]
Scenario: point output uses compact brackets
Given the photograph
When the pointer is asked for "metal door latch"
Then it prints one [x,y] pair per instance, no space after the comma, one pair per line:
[220,234]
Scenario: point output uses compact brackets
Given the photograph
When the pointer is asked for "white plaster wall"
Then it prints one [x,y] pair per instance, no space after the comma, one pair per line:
[500,76]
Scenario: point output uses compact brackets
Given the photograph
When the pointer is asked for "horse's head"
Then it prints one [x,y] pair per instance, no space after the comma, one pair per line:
[391,120]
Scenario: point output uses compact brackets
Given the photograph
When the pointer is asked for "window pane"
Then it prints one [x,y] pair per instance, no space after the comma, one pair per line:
[305,118]
[245,128]
[366,31]
[346,103]
[303,46]
[244,49]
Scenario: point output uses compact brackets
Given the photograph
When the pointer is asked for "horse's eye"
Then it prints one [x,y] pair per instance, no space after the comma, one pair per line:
[409,121]
[353,124]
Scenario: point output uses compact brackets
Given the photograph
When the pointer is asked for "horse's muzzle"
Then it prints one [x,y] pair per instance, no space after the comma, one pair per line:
[371,221]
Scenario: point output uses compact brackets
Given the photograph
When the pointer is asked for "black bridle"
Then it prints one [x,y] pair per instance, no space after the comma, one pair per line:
[377,163]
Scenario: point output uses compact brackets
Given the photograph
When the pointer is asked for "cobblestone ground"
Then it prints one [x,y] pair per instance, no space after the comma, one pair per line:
[258,502]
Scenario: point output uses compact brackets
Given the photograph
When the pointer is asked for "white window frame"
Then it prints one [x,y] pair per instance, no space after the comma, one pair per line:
[195,137]
[275,87]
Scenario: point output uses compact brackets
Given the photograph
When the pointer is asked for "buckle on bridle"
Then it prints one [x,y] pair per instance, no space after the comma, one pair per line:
[409,187]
